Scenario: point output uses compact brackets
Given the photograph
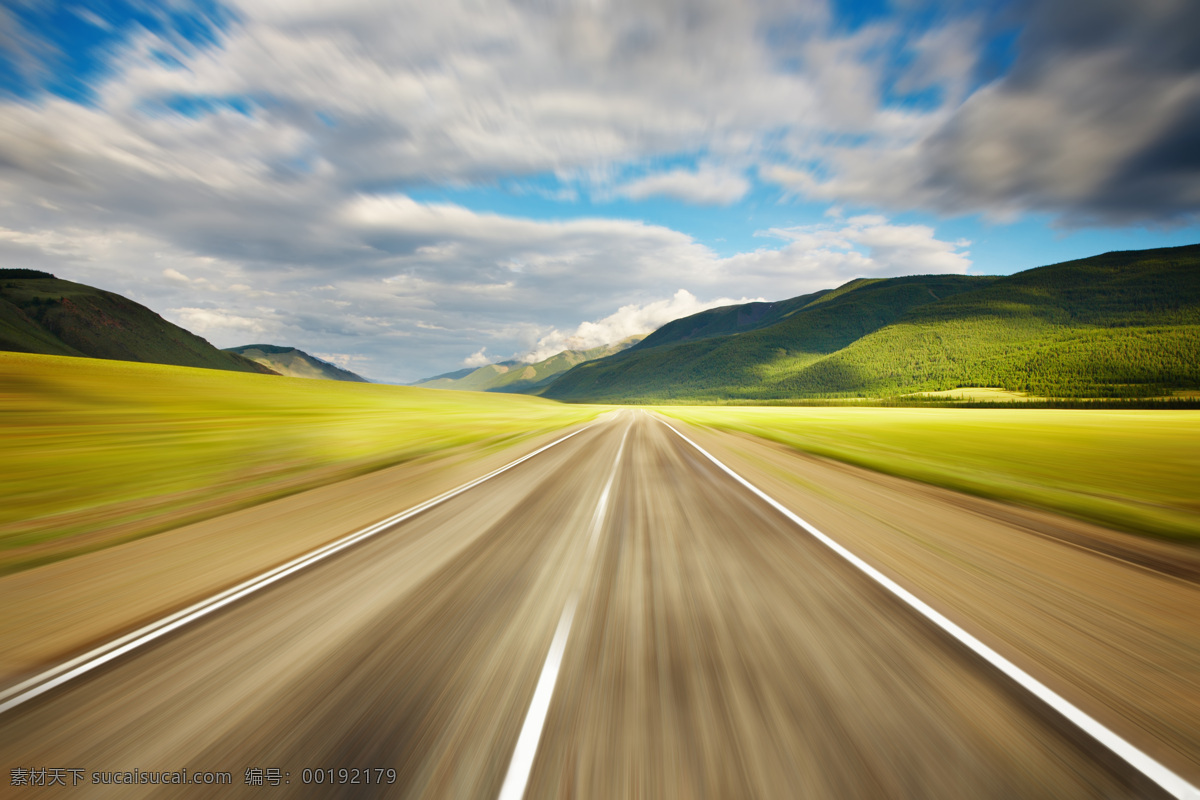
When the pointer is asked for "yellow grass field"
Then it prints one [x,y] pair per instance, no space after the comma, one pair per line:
[1133,470]
[986,395]
[95,452]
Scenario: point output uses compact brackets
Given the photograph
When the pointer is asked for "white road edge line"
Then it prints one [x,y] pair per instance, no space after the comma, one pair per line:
[28,689]
[521,765]
[1169,781]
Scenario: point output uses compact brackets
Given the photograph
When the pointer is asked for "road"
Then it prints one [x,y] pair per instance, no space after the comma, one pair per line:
[715,650]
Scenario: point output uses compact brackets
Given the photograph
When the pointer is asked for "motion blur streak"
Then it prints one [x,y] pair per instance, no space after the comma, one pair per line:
[522,760]
[716,651]
[56,676]
[1139,760]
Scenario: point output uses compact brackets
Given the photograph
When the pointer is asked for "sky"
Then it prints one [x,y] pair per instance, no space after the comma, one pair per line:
[407,188]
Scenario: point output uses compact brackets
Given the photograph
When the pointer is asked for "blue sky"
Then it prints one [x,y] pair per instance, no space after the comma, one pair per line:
[998,246]
[408,187]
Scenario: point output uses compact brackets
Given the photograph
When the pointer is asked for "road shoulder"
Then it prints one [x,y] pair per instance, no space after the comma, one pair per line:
[64,608]
[1116,636]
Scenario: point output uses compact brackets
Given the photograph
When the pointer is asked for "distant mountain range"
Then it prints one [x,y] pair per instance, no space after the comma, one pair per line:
[520,377]
[294,363]
[40,313]
[1122,324]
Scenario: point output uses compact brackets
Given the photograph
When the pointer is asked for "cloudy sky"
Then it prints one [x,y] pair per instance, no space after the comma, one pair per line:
[409,187]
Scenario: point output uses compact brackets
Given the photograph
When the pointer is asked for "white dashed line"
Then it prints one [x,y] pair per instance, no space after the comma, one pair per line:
[535,719]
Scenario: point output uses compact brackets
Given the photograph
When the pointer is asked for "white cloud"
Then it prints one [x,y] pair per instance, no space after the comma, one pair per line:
[706,185]
[1094,123]
[91,18]
[628,320]
[207,321]
[343,360]
[373,92]
[479,358]
[890,250]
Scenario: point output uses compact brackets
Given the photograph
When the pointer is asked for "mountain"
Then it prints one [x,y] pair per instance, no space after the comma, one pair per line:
[294,363]
[1119,324]
[517,376]
[458,373]
[40,313]
[726,320]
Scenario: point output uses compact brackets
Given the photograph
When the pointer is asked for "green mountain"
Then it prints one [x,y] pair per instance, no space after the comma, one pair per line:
[517,376]
[40,313]
[726,320]
[294,363]
[458,373]
[1123,324]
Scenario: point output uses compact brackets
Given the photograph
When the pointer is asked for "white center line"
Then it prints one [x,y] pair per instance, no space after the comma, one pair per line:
[1165,778]
[535,719]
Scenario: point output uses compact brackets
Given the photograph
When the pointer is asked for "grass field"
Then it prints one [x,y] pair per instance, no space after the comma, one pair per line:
[96,452]
[978,395]
[1133,470]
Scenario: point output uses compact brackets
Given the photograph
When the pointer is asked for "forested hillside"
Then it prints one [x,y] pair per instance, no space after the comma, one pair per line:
[725,320]
[1123,324]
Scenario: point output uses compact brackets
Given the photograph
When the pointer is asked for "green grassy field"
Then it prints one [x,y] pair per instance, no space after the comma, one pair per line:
[1133,470]
[95,452]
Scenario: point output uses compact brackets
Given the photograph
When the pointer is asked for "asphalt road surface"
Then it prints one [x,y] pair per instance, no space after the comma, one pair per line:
[710,648]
